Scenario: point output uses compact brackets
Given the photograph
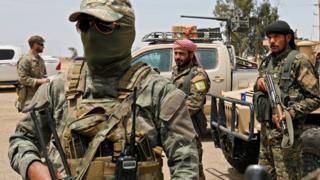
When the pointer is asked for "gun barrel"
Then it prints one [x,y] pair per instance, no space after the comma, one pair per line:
[204,17]
[58,143]
[43,145]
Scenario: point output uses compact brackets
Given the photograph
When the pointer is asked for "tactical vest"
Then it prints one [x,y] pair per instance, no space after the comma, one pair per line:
[285,80]
[96,129]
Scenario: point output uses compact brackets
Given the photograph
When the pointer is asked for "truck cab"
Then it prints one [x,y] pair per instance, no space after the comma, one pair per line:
[216,58]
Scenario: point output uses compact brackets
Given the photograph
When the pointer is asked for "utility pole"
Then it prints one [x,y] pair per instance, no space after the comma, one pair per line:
[318,5]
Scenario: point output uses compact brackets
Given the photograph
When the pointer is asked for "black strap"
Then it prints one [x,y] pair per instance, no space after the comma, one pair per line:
[187,81]
[285,80]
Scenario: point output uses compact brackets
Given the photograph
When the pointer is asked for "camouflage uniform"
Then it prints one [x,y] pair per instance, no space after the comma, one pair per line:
[30,68]
[285,163]
[91,107]
[199,87]
[173,130]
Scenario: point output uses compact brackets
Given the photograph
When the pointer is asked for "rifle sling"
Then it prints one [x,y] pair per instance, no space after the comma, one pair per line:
[287,140]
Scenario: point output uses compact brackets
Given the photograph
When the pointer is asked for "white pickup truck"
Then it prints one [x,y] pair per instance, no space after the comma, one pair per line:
[9,57]
[226,72]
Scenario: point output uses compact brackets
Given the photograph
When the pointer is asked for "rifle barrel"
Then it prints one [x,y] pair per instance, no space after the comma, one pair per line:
[58,144]
[43,145]
[204,17]
[133,129]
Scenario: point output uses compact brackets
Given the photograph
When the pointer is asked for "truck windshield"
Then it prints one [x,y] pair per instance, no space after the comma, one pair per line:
[6,54]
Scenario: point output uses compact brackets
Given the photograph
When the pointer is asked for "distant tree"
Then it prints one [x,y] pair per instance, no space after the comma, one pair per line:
[248,42]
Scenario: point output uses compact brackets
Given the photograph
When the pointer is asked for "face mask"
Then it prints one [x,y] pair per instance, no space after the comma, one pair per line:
[109,54]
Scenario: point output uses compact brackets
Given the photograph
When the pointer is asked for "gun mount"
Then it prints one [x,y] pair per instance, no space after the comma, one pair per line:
[234,24]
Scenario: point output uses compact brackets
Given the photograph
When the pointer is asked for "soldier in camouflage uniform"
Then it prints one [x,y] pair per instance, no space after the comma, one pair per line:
[190,77]
[91,106]
[299,94]
[31,71]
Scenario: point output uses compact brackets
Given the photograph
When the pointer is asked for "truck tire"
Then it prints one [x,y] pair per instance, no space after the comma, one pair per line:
[310,150]
[244,153]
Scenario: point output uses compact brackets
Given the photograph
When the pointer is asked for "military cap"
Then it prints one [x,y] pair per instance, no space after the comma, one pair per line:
[106,10]
[35,39]
[278,27]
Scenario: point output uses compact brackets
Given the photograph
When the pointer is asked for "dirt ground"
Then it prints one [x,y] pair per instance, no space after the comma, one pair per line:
[216,167]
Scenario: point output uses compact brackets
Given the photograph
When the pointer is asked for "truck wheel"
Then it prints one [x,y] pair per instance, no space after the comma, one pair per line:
[244,153]
[310,150]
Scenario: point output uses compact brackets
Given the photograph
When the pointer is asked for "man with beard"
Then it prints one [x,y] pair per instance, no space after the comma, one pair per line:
[298,85]
[31,71]
[191,78]
[92,106]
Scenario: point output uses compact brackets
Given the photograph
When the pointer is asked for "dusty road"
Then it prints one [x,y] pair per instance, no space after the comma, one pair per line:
[216,167]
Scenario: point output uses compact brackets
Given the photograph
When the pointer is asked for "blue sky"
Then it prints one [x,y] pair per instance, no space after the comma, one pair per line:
[49,18]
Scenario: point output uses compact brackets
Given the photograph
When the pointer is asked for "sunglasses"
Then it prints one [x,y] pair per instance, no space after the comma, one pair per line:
[40,44]
[101,26]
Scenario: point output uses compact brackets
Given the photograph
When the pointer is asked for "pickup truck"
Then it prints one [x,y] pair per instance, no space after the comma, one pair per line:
[225,70]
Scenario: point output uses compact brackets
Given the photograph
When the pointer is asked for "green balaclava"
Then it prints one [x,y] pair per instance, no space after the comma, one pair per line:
[109,55]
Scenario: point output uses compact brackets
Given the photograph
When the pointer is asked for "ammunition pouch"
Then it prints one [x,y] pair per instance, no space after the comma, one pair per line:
[145,152]
[102,168]
[89,125]
[262,106]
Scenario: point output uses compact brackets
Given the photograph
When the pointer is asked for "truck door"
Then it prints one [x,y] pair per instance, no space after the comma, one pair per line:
[215,69]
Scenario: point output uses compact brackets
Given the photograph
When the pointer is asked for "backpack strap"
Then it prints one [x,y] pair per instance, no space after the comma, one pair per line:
[74,79]
[285,80]
[187,81]
[132,78]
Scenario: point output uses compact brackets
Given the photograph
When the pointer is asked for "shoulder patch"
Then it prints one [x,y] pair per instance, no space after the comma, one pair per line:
[201,86]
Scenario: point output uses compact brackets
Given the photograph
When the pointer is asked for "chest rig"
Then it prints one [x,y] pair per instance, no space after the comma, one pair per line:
[282,76]
[96,129]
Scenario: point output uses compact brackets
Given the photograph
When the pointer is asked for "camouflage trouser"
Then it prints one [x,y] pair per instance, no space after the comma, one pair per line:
[200,151]
[280,163]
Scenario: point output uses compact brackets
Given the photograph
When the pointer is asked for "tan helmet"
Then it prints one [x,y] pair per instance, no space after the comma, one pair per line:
[105,10]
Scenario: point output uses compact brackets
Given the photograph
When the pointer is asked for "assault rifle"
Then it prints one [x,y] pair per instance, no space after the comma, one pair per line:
[275,101]
[45,116]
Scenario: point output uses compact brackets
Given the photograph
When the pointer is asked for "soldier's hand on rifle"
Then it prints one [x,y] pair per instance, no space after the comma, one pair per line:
[39,171]
[277,118]
[261,85]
